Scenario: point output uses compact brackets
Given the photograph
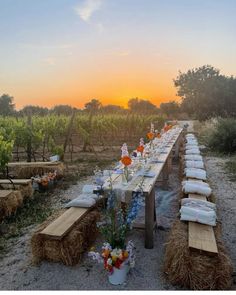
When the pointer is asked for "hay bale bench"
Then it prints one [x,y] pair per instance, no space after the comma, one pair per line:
[195,257]
[27,170]
[65,238]
[23,185]
[10,200]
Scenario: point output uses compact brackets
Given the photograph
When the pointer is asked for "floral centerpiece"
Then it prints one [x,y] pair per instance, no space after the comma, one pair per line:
[46,181]
[151,134]
[140,148]
[116,255]
[158,134]
[126,161]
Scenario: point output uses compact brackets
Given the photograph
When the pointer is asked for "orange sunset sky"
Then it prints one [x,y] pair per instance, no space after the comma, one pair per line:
[71,51]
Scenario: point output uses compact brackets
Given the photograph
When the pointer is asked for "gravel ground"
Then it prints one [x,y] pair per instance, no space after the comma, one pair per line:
[225,192]
[17,273]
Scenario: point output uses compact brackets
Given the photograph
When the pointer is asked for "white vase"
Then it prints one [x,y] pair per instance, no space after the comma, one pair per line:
[119,275]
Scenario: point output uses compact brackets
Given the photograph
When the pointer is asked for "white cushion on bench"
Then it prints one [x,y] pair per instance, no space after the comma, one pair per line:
[88,188]
[189,202]
[194,164]
[193,157]
[191,187]
[197,213]
[194,151]
[195,173]
[83,200]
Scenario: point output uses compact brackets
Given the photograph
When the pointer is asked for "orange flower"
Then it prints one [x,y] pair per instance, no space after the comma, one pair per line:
[126,160]
[166,128]
[158,135]
[105,253]
[140,148]
[150,135]
[126,254]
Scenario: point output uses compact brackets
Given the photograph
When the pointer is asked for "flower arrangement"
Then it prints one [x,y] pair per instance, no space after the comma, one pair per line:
[114,225]
[151,134]
[140,148]
[125,160]
[45,181]
[115,257]
[157,134]
[167,127]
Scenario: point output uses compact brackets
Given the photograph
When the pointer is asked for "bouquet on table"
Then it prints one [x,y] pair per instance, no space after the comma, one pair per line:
[151,135]
[126,161]
[140,148]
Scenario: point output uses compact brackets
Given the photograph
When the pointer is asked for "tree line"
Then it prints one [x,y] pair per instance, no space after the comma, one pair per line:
[204,93]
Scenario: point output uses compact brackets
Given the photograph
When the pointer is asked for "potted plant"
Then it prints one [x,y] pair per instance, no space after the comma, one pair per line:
[117,254]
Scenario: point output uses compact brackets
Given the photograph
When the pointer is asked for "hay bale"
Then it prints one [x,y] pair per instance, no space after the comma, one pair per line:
[25,189]
[194,269]
[9,202]
[70,247]
[27,170]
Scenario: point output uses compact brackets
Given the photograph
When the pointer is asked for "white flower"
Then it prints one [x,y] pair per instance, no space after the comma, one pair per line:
[106,246]
[109,261]
[95,256]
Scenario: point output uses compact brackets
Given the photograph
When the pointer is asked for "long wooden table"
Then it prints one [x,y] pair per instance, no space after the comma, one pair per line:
[148,184]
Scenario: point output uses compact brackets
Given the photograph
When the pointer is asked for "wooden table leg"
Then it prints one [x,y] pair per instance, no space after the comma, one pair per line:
[149,219]
[177,146]
[169,163]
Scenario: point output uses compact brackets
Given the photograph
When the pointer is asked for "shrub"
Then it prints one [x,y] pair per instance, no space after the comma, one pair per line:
[223,137]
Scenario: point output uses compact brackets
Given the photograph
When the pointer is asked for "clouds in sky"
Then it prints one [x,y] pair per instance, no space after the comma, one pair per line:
[86,9]
[49,61]
[45,46]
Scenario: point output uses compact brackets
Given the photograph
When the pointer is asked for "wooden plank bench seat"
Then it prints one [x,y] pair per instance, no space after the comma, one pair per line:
[65,238]
[59,227]
[15,181]
[29,169]
[201,236]
[23,185]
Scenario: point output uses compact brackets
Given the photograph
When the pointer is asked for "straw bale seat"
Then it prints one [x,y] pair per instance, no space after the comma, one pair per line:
[23,185]
[29,169]
[196,270]
[65,236]
[10,200]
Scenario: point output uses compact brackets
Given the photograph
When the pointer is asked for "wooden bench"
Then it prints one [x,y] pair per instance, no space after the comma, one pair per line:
[29,169]
[66,237]
[23,185]
[201,236]
[59,227]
